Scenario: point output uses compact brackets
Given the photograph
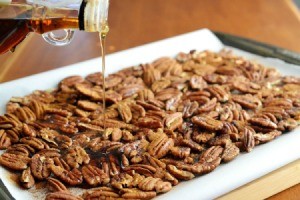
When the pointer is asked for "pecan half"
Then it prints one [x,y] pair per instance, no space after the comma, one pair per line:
[26,179]
[94,176]
[207,123]
[40,166]
[14,161]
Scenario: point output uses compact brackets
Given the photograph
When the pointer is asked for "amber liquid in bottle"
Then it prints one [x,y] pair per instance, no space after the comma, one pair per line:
[14,31]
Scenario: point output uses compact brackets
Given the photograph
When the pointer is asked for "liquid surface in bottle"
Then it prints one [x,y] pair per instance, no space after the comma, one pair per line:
[14,29]
[102,37]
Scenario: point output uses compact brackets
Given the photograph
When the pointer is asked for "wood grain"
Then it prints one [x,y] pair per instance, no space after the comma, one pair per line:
[136,22]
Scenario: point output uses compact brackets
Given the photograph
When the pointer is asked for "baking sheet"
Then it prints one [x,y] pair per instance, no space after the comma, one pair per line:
[245,168]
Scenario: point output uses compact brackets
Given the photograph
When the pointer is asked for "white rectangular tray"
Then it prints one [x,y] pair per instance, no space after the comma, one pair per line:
[245,168]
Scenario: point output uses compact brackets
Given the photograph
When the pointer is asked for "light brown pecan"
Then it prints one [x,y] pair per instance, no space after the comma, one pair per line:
[197,82]
[55,185]
[202,137]
[26,179]
[94,176]
[173,103]
[180,152]
[207,106]
[180,174]
[191,144]
[88,105]
[219,92]
[189,108]
[150,184]
[221,140]
[101,193]
[143,169]
[77,156]
[230,152]
[128,193]
[4,140]
[14,134]
[72,178]
[161,84]
[207,123]
[14,161]
[247,101]
[173,121]
[262,122]
[125,112]
[62,195]
[160,146]
[248,139]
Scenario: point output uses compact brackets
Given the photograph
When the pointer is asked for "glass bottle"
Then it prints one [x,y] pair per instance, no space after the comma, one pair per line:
[20,17]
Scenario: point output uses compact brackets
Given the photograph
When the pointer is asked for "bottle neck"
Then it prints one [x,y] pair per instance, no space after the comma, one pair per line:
[93,15]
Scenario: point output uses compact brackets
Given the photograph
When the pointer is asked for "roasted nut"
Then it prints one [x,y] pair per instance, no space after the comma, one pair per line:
[55,185]
[77,156]
[72,178]
[94,176]
[207,123]
[14,161]
[62,195]
[40,166]
[180,174]
[26,179]
[230,152]
[160,146]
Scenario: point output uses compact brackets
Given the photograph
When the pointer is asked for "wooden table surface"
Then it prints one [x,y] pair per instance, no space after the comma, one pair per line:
[137,22]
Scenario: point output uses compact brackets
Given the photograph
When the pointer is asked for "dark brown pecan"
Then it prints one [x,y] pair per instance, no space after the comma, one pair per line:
[14,134]
[4,140]
[160,146]
[77,156]
[128,193]
[180,174]
[61,163]
[26,179]
[61,195]
[55,185]
[122,180]
[35,143]
[230,152]
[207,123]
[148,122]
[40,166]
[14,161]
[72,178]
[94,176]
[248,139]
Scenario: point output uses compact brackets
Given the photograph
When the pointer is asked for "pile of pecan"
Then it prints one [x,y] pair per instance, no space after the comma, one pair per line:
[166,121]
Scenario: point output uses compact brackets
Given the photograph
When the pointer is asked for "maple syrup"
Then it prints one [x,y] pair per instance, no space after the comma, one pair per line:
[102,36]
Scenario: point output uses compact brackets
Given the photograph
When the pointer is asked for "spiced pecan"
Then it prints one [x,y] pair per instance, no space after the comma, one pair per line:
[125,112]
[72,178]
[128,193]
[248,139]
[55,185]
[207,123]
[4,140]
[94,176]
[160,146]
[26,179]
[77,156]
[40,166]
[180,174]
[61,195]
[101,192]
[14,161]
[230,152]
